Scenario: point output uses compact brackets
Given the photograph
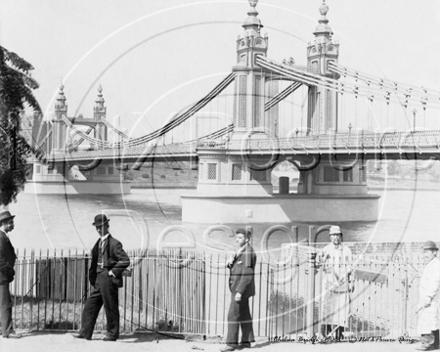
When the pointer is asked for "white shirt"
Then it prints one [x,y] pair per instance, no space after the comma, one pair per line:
[103,238]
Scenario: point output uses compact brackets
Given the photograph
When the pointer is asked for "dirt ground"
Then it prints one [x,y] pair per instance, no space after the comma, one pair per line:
[64,342]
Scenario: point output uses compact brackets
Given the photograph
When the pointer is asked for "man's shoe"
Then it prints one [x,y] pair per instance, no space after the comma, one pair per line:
[427,348]
[79,336]
[244,345]
[108,338]
[228,349]
[12,335]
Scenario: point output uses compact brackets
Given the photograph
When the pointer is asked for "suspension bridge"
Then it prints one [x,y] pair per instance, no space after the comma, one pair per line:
[325,118]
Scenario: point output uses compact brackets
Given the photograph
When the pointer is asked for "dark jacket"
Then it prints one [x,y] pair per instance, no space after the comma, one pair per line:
[242,273]
[115,259]
[7,260]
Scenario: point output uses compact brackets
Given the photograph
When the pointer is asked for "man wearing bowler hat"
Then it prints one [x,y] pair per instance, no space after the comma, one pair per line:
[242,286]
[109,260]
[429,297]
[7,273]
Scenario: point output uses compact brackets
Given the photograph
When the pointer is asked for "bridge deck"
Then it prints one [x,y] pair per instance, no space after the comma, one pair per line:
[425,144]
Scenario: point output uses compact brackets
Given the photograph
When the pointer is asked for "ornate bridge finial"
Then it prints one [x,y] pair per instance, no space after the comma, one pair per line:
[323,9]
[99,102]
[61,98]
[253,3]
[253,22]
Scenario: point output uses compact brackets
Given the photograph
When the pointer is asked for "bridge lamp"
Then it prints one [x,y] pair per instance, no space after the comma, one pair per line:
[414,118]
[349,128]
[253,3]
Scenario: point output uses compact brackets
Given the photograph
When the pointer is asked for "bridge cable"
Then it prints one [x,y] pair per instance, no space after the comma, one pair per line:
[109,125]
[77,143]
[44,139]
[381,82]
[161,131]
[324,82]
[184,116]
[92,141]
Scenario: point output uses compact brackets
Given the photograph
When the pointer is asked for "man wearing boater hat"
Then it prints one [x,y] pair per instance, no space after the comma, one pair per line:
[109,260]
[335,260]
[7,273]
[429,297]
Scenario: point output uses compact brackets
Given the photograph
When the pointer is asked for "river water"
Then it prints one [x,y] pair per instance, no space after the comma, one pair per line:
[48,222]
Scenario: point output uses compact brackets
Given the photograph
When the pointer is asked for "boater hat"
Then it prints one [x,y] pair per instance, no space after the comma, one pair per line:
[335,230]
[430,245]
[100,220]
[5,215]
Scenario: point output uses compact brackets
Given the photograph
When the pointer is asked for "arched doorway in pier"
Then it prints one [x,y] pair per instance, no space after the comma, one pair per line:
[287,170]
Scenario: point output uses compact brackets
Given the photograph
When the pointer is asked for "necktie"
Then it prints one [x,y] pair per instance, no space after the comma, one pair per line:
[102,246]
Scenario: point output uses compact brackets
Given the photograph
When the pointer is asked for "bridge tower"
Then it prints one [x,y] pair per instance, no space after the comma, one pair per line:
[59,128]
[322,103]
[235,183]
[99,113]
[227,178]
[228,172]
[249,114]
[63,176]
[342,180]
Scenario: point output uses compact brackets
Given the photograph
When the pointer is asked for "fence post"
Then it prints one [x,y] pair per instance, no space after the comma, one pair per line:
[405,297]
[86,278]
[311,286]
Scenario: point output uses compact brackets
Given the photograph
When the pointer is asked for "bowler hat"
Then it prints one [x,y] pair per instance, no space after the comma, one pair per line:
[100,220]
[430,245]
[335,230]
[5,215]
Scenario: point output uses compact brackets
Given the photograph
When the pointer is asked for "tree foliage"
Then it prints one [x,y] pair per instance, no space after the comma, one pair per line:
[16,93]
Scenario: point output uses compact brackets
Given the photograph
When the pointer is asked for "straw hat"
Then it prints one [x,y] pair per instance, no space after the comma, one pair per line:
[430,245]
[335,230]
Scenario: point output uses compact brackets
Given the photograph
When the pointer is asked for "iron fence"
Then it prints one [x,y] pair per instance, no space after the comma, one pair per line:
[184,291]
[161,292]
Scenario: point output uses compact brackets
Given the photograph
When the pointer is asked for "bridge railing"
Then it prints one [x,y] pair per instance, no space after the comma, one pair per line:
[411,139]
[143,151]
[349,142]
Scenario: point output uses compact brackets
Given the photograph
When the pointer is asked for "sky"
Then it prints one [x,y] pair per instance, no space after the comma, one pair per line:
[156,57]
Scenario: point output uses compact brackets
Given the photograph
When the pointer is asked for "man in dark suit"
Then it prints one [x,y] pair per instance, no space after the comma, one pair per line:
[7,273]
[242,286]
[109,260]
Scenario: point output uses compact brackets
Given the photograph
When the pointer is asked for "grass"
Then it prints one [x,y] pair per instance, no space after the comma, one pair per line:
[36,314]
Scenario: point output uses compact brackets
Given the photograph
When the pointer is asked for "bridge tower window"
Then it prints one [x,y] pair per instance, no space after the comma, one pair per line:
[212,171]
[348,175]
[258,175]
[38,169]
[236,172]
